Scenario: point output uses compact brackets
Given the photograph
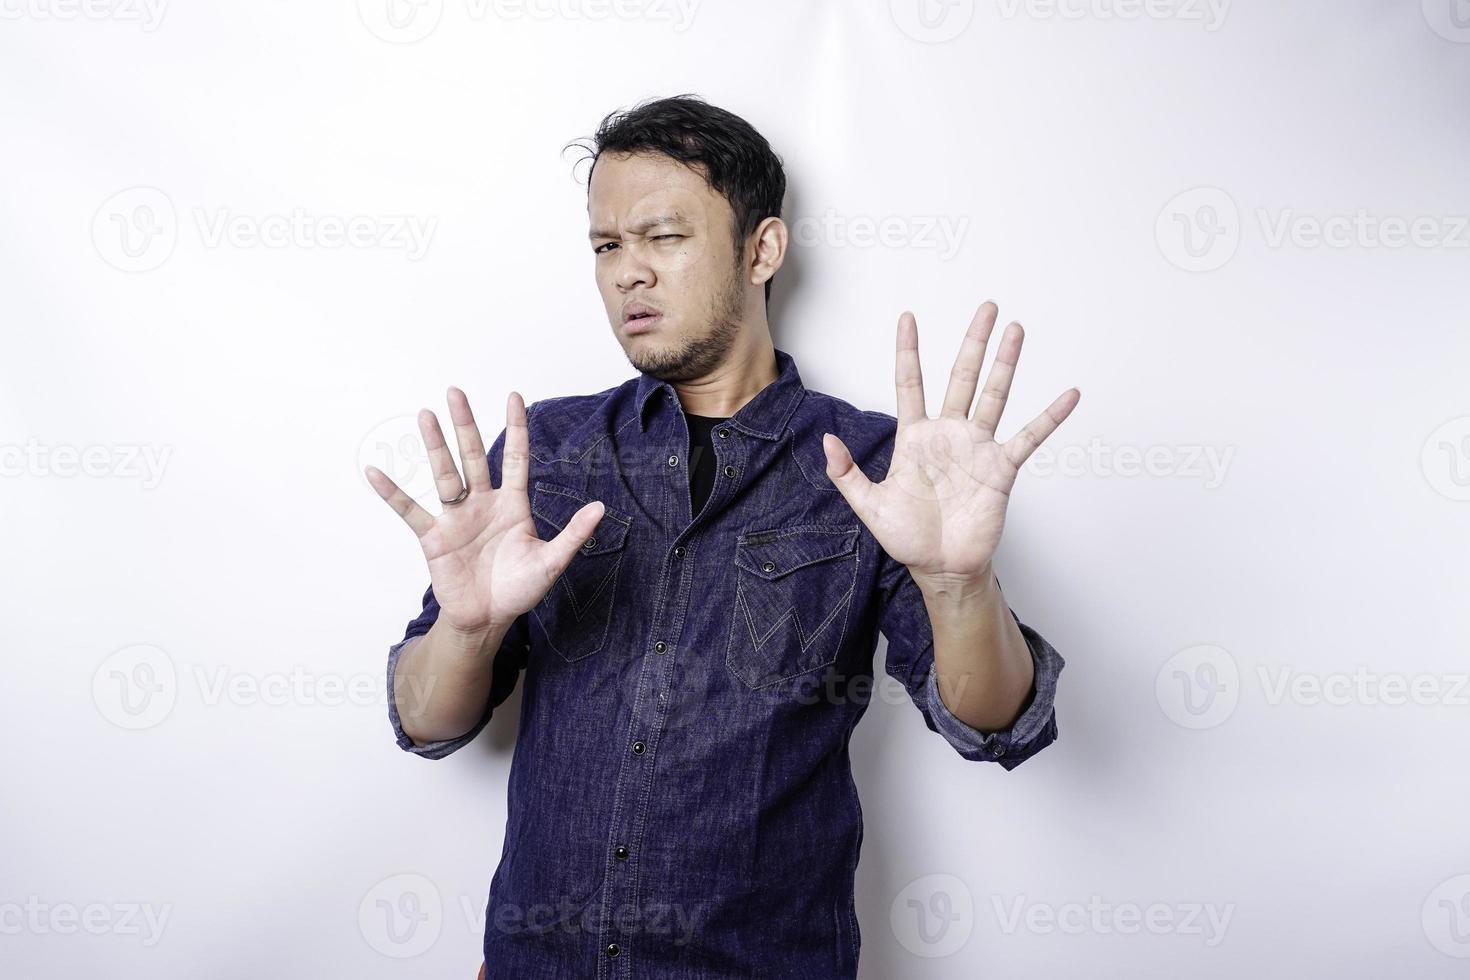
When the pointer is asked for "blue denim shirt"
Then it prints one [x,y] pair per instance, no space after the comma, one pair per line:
[680,801]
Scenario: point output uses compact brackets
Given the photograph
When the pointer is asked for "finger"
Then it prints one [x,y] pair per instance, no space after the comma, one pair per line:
[413,515]
[847,476]
[515,457]
[1020,446]
[998,381]
[471,446]
[907,378]
[569,540]
[446,477]
[966,370]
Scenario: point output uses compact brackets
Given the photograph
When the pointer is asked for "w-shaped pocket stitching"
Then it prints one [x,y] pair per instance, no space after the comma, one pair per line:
[577,610]
[792,599]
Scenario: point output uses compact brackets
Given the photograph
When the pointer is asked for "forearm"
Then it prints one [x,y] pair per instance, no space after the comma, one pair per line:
[442,681]
[983,663]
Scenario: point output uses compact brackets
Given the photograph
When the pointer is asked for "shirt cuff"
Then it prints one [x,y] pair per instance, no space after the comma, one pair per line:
[429,750]
[1032,731]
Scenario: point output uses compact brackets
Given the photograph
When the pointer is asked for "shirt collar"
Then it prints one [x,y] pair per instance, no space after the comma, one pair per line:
[765,415]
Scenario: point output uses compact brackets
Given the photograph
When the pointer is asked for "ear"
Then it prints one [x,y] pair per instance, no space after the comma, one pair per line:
[768,247]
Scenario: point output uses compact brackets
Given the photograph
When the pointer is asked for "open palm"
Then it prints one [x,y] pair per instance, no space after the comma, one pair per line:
[486,563]
[941,507]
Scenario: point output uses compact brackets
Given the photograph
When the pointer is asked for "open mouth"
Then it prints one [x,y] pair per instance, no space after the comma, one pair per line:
[641,319]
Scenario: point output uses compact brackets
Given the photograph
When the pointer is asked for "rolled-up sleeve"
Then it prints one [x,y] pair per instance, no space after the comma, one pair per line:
[510,659]
[904,621]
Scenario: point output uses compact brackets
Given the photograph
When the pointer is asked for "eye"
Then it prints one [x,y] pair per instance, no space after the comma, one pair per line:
[598,249]
[660,238]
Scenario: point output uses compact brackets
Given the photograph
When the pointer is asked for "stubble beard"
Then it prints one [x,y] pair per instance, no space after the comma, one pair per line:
[697,357]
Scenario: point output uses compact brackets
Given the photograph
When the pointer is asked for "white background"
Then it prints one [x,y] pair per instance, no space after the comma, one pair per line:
[174,744]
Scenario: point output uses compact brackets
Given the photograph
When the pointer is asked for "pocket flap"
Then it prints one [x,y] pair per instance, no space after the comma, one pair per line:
[771,554]
[556,505]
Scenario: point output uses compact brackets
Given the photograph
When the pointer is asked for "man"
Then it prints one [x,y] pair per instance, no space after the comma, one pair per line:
[691,569]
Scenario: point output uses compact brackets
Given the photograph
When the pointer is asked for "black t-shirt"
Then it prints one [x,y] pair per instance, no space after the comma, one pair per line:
[701,458]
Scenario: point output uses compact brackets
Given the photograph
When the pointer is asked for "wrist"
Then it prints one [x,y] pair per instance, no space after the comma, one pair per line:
[466,639]
[956,586]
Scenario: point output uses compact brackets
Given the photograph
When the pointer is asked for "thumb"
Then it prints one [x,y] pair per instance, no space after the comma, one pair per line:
[568,541]
[845,474]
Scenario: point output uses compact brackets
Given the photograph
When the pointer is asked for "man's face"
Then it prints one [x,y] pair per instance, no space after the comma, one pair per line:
[662,243]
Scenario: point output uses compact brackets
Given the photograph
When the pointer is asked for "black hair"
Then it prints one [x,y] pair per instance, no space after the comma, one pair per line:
[736,160]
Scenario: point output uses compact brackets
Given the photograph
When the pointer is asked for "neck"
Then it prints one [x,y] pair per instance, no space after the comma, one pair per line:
[750,366]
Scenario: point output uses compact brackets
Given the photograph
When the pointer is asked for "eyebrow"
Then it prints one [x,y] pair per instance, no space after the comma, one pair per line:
[639,227]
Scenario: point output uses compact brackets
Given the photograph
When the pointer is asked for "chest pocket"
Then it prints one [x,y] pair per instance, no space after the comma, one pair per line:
[792,598]
[576,611]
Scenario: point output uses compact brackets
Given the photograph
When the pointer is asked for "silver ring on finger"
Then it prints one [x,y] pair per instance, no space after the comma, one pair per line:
[462,494]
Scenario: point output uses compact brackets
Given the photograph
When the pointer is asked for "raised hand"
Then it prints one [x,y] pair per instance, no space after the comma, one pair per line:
[941,507]
[486,563]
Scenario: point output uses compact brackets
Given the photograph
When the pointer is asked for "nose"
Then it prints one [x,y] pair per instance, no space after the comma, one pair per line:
[632,270]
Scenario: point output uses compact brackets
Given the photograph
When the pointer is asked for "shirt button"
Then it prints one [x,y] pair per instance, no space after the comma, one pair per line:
[613,949]
[660,647]
[997,750]
[722,433]
[590,543]
[679,551]
[729,471]
[768,566]
[673,460]
[620,852]
[638,748]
